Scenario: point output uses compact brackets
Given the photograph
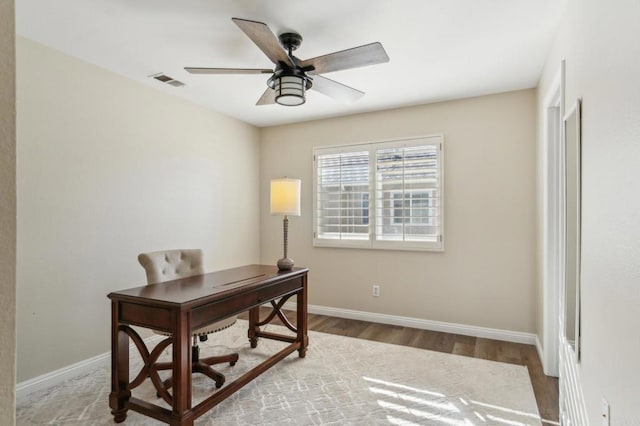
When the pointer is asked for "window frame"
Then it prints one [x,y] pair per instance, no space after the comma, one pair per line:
[371,242]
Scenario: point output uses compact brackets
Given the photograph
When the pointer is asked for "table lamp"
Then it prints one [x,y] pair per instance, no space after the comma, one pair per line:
[285,201]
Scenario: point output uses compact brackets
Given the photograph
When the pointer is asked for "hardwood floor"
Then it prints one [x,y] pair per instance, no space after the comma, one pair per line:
[544,387]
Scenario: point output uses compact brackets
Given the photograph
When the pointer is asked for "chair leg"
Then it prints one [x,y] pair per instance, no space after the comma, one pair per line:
[219,359]
[168,383]
[202,366]
[195,356]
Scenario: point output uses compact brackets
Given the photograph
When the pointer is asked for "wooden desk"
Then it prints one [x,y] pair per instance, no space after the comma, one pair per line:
[183,305]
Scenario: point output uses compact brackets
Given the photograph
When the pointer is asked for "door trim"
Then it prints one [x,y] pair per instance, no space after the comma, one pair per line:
[553,212]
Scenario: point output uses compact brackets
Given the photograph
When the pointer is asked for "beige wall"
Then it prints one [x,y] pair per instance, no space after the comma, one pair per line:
[599,41]
[7,214]
[109,168]
[486,275]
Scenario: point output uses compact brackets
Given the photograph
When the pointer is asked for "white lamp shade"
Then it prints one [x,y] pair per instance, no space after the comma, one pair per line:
[285,197]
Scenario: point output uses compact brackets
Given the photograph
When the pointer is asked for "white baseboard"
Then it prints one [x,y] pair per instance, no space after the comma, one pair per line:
[540,350]
[446,327]
[58,376]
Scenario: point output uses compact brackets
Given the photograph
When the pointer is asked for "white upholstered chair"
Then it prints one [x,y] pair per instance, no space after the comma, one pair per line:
[170,265]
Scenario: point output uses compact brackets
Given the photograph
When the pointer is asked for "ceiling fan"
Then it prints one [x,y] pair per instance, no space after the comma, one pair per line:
[292,76]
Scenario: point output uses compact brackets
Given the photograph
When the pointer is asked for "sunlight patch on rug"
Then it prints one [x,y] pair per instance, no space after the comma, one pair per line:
[342,381]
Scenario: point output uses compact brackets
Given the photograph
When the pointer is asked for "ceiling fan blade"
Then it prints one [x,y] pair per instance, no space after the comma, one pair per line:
[335,90]
[264,38]
[268,97]
[360,56]
[196,70]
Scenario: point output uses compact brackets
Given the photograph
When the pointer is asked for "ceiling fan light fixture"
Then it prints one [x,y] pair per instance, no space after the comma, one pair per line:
[290,89]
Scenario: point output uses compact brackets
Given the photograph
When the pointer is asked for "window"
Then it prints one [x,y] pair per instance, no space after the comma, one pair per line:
[379,195]
[411,206]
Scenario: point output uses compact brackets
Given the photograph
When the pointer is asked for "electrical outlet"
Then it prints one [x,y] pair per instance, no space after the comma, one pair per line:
[606,413]
[376,291]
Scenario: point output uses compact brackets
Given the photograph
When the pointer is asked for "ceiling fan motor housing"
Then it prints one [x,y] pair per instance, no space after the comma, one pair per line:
[290,41]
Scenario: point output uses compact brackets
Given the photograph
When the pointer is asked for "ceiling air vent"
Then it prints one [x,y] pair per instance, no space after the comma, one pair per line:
[168,80]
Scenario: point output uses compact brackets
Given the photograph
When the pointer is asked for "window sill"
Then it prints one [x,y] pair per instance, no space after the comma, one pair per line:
[435,246]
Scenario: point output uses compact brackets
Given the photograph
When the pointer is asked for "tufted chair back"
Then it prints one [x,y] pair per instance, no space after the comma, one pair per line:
[167,265]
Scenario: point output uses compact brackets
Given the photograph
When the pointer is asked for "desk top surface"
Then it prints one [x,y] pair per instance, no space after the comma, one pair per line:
[219,283]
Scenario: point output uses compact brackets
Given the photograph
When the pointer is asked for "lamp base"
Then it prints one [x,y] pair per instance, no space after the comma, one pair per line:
[285,264]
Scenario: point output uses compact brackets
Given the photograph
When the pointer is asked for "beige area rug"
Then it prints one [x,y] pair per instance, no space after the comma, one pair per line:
[342,381]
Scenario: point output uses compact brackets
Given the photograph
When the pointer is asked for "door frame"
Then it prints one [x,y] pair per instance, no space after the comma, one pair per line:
[553,220]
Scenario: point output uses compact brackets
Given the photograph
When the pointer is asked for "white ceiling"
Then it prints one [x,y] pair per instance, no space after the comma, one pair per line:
[438,49]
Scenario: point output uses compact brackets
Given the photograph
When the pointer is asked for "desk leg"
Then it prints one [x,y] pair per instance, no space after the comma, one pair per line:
[182,413]
[120,392]
[302,319]
[254,328]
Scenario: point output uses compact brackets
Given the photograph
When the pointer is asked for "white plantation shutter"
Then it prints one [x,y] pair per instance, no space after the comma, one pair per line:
[384,195]
[342,196]
[407,193]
